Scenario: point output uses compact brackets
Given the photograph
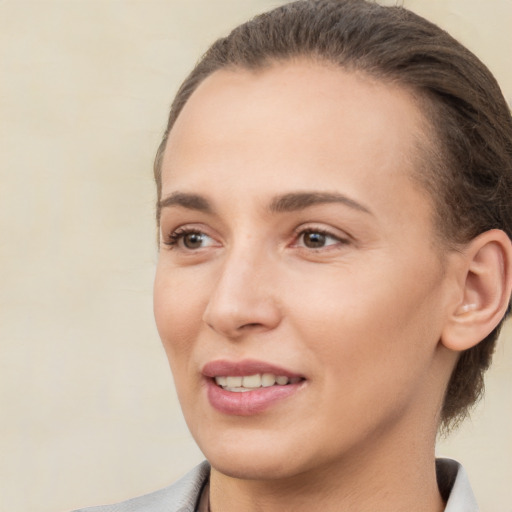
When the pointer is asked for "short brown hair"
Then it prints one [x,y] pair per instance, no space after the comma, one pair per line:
[469,170]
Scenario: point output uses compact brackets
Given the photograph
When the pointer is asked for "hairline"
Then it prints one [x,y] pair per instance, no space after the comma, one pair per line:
[427,151]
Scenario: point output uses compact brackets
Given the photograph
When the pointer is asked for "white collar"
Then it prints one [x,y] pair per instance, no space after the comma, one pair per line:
[454,485]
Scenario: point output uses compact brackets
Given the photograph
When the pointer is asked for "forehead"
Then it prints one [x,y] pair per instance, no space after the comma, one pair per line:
[299,103]
[296,125]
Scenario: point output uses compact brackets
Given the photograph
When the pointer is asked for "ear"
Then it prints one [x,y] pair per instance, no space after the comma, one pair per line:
[485,287]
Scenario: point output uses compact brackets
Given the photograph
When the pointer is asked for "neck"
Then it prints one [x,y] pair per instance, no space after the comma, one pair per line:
[382,477]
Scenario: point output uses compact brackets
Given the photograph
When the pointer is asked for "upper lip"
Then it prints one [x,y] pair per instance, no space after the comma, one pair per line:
[244,367]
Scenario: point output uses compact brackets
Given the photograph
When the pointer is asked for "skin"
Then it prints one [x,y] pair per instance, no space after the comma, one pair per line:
[360,317]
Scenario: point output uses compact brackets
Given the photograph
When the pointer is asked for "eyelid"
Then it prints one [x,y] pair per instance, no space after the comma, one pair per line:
[173,237]
[340,236]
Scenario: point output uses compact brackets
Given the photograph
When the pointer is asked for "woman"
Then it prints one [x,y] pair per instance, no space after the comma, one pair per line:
[335,260]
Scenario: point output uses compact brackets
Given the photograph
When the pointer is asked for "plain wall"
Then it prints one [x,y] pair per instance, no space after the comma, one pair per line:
[88,410]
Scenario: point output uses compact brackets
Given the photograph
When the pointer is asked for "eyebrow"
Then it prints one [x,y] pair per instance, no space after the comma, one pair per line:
[186,200]
[290,202]
[300,200]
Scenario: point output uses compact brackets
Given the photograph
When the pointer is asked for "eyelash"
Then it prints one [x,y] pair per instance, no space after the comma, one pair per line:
[300,233]
[174,238]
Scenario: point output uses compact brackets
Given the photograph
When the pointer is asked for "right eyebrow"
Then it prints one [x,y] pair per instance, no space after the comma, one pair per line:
[300,200]
[185,200]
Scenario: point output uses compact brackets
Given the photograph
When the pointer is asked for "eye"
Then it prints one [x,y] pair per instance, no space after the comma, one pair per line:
[190,239]
[317,239]
[193,240]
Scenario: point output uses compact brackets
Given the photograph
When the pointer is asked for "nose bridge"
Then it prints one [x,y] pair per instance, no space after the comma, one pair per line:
[244,294]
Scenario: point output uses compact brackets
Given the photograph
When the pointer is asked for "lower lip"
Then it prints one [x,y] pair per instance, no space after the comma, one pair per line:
[247,403]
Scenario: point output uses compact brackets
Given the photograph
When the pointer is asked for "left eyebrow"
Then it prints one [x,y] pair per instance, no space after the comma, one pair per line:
[185,200]
[299,200]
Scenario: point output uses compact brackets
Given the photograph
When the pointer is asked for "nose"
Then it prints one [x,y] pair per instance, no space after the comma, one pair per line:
[244,299]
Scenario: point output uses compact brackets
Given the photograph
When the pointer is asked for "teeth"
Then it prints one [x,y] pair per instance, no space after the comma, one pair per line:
[267,379]
[221,381]
[234,382]
[248,382]
[253,381]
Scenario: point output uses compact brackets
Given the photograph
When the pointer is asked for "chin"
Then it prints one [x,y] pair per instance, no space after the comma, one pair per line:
[250,454]
[264,467]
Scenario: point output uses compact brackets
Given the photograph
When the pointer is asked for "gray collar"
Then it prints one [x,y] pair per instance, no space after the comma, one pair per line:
[184,495]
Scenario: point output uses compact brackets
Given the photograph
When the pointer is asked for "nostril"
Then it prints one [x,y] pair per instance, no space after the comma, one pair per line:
[234,314]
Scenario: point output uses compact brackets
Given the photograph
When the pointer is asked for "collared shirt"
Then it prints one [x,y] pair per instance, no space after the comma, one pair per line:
[187,495]
[454,486]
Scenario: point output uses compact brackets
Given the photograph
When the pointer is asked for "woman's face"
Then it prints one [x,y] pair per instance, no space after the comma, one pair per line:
[295,244]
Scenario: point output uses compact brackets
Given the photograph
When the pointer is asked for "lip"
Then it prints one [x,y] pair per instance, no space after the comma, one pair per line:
[252,402]
[244,367]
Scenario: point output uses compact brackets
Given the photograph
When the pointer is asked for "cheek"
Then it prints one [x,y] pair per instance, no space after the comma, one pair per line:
[370,326]
[178,312]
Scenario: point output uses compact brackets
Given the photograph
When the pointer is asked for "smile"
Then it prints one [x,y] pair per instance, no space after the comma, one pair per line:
[241,384]
[248,387]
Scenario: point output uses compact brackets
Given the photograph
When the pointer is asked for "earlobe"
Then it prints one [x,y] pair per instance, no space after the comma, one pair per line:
[486,286]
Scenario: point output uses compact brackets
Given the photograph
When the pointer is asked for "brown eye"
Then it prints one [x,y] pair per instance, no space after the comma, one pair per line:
[314,240]
[318,239]
[193,240]
[190,240]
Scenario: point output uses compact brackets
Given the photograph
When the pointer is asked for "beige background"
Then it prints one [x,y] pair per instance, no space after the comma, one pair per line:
[88,413]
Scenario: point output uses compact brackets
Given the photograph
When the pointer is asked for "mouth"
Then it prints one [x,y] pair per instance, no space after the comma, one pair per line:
[248,387]
[244,383]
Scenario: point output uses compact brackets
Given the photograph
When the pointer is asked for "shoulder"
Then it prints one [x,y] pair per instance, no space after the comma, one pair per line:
[181,496]
[454,486]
